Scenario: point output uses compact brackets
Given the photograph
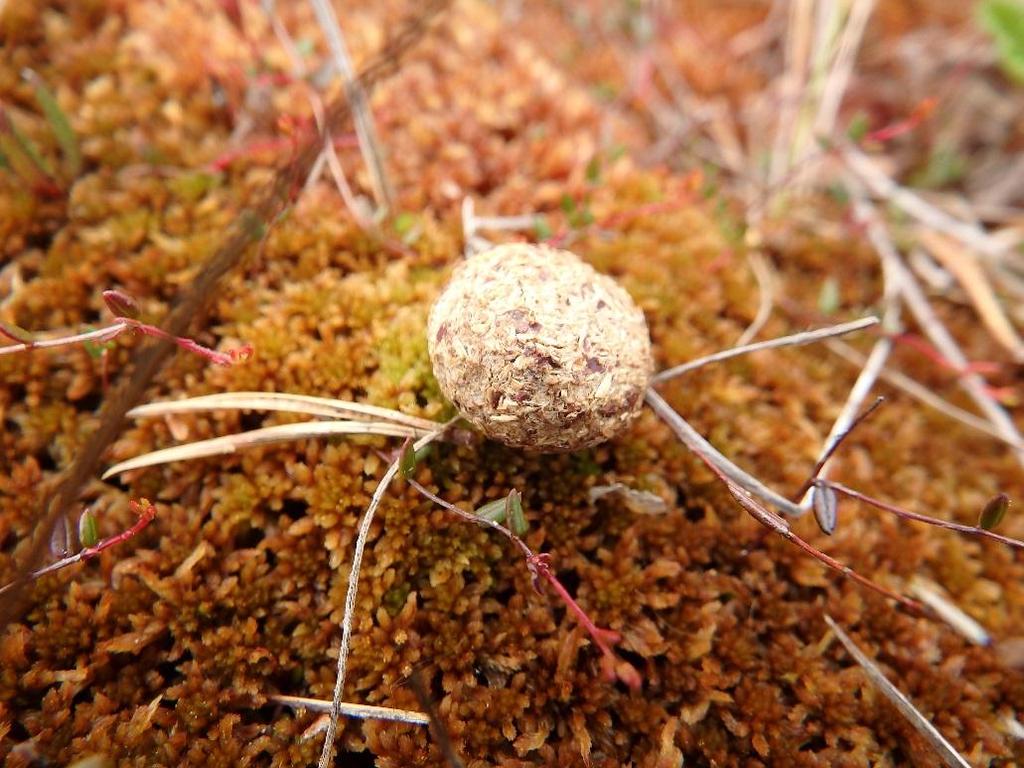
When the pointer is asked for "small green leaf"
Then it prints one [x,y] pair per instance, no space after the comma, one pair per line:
[95,349]
[407,463]
[944,168]
[593,171]
[408,226]
[22,156]
[568,204]
[62,130]
[828,296]
[88,531]
[252,225]
[495,511]
[16,333]
[191,187]
[514,512]
[404,222]
[857,128]
[605,91]
[994,512]
[1004,20]
[541,228]
[839,193]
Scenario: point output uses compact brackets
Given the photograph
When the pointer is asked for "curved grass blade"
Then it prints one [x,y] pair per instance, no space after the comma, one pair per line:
[289,403]
[279,433]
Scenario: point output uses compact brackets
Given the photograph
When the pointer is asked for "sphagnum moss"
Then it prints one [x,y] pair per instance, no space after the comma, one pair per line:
[729,643]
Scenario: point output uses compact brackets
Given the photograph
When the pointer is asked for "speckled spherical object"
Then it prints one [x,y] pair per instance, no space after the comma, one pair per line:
[538,350]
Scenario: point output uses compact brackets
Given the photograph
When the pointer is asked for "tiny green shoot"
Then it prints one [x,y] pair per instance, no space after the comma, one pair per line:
[994,512]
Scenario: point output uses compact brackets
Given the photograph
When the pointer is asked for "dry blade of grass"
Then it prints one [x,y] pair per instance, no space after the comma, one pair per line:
[365,129]
[916,301]
[792,84]
[246,232]
[275,401]
[870,371]
[821,44]
[793,340]
[280,433]
[921,393]
[914,205]
[360,711]
[972,278]
[767,285]
[869,374]
[938,742]
[838,77]
[700,446]
[929,593]
[329,156]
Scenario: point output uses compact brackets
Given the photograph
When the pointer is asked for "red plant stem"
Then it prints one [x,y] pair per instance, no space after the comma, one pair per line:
[921,112]
[539,566]
[773,521]
[230,357]
[906,514]
[926,349]
[102,334]
[143,509]
[118,327]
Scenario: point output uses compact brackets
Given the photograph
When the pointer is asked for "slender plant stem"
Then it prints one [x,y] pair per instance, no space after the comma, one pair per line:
[361,711]
[906,514]
[699,445]
[353,591]
[794,340]
[365,130]
[146,513]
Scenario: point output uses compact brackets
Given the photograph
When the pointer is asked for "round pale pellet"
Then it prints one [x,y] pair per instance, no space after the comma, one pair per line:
[538,350]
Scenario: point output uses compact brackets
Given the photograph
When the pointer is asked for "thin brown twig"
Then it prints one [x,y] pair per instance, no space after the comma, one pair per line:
[906,514]
[816,473]
[776,523]
[352,591]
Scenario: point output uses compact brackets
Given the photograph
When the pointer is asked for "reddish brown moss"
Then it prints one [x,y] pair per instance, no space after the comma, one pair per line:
[162,651]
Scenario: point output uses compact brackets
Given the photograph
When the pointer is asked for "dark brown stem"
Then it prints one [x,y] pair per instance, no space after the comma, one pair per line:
[906,514]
